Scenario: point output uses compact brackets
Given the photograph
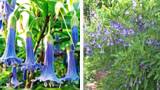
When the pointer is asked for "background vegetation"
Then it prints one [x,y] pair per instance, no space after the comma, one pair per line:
[122,42]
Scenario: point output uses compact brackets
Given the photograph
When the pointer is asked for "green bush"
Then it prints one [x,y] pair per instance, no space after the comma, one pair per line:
[133,63]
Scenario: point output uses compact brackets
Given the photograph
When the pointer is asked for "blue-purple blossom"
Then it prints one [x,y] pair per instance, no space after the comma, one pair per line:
[93,42]
[14,80]
[71,74]
[87,49]
[124,32]
[116,25]
[30,62]
[131,32]
[120,28]
[150,41]
[127,32]
[75,35]
[9,56]
[48,73]
[110,43]
[99,46]
[106,32]
[140,23]
[107,37]
[153,42]
[119,41]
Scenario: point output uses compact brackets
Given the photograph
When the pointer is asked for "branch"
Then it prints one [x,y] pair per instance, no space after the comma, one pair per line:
[42,33]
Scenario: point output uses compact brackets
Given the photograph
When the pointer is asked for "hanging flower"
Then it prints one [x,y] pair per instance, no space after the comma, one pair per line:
[30,62]
[71,74]
[9,56]
[75,34]
[47,73]
[14,81]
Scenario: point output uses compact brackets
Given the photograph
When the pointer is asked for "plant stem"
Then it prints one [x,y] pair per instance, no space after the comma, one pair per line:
[67,28]
[42,34]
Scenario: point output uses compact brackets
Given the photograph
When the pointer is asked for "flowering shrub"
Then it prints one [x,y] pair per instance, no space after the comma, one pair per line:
[121,40]
[39,43]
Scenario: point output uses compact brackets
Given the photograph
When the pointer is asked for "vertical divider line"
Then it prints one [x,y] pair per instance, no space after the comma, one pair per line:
[81,46]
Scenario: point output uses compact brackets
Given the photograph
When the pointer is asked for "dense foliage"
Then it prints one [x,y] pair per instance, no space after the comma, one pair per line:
[122,40]
[39,44]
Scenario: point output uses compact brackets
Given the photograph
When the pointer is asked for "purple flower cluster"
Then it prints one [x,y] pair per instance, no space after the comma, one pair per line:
[140,23]
[103,37]
[120,29]
[153,42]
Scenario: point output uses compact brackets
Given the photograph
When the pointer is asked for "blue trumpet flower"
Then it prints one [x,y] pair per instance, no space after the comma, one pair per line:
[47,73]
[71,74]
[14,80]
[30,62]
[9,56]
[75,34]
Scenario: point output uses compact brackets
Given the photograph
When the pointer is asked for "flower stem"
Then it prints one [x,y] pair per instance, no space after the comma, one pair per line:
[67,28]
